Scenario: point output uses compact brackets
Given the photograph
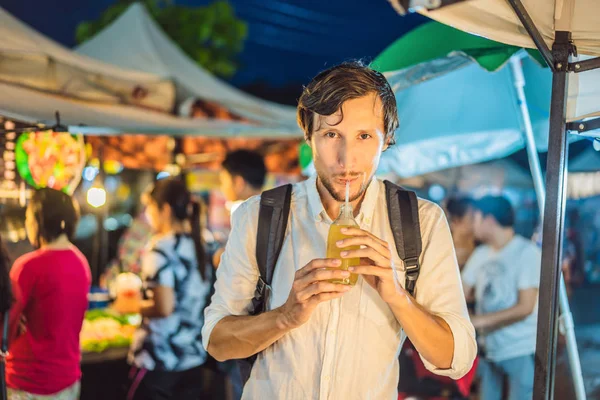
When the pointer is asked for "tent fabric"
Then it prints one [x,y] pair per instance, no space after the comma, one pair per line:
[416,47]
[493,175]
[587,161]
[134,40]
[466,116]
[496,20]
[33,106]
[434,40]
[30,59]
[584,94]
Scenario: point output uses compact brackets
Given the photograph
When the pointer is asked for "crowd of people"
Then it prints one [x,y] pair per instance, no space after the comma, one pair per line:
[316,338]
[44,293]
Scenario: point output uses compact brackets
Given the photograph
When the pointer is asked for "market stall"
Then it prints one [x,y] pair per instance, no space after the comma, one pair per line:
[560,30]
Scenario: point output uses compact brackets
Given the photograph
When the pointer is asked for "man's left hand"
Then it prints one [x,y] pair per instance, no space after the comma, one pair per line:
[376,265]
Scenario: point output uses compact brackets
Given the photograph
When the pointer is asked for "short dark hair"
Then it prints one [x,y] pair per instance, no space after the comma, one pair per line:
[459,206]
[499,208]
[330,89]
[250,165]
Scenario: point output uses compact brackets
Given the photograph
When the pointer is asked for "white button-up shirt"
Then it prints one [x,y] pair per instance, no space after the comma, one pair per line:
[349,348]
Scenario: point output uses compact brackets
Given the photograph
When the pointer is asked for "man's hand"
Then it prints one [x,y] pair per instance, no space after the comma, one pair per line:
[375,262]
[310,288]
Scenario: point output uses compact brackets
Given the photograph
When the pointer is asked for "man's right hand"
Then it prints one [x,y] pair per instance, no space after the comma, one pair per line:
[310,288]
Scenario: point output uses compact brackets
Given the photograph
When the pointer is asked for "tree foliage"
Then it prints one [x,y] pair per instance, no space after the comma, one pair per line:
[211,35]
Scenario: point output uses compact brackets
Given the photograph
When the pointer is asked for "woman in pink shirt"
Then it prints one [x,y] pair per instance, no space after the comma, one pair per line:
[50,288]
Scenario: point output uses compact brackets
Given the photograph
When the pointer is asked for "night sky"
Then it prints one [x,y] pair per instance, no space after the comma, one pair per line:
[288,42]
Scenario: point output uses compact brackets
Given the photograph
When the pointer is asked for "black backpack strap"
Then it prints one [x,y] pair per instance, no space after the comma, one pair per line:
[403,213]
[272,224]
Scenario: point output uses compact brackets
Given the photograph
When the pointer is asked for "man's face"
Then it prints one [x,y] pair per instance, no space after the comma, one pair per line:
[348,148]
[481,226]
[462,227]
[228,186]
[157,216]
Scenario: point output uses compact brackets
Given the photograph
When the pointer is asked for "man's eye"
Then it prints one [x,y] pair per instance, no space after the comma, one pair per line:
[331,135]
[365,136]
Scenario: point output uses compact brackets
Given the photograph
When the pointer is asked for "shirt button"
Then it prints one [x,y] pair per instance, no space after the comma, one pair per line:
[327,378]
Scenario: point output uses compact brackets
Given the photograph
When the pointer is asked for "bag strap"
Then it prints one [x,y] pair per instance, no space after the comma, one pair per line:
[272,224]
[403,214]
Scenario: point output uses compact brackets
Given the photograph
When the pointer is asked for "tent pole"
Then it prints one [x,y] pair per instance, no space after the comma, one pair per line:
[566,318]
[532,155]
[533,32]
[552,237]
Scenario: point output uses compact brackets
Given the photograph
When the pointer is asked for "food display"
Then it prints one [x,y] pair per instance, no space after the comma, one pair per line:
[50,159]
[103,329]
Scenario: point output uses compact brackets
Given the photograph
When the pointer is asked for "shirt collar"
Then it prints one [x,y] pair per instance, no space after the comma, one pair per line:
[314,200]
[366,210]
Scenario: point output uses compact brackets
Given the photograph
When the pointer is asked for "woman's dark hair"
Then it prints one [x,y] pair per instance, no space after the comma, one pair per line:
[5,290]
[56,213]
[173,191]
[330,89]
[459,206]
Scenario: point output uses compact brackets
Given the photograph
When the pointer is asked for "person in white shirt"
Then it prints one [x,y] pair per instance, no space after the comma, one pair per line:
[504,275]
[321,340]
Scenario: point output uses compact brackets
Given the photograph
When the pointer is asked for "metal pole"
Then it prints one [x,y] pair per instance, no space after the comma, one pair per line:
[534,33]
[532,155]
[545,356]
[566,318]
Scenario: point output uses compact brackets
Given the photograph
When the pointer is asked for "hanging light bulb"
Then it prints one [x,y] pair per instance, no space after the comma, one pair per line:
[96,196]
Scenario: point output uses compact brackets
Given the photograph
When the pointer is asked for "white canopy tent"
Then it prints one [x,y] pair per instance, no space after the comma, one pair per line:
[496,20]
[39,77]
[29,59]
[34,106]
[134,40]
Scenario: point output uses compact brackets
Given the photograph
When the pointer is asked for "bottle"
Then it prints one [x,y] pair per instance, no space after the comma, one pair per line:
[344,220]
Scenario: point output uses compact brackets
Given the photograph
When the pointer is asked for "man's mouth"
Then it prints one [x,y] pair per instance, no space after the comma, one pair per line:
[345,180]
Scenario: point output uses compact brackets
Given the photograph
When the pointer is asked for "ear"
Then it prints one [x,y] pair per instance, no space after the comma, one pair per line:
[166,211]
[307,140]
[387,142]
[238,183]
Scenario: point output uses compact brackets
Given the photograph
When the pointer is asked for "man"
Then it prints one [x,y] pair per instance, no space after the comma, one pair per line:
[243,175]
[327,341]
[504,275]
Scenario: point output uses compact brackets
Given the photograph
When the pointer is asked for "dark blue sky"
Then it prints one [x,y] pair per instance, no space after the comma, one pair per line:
[288,41]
